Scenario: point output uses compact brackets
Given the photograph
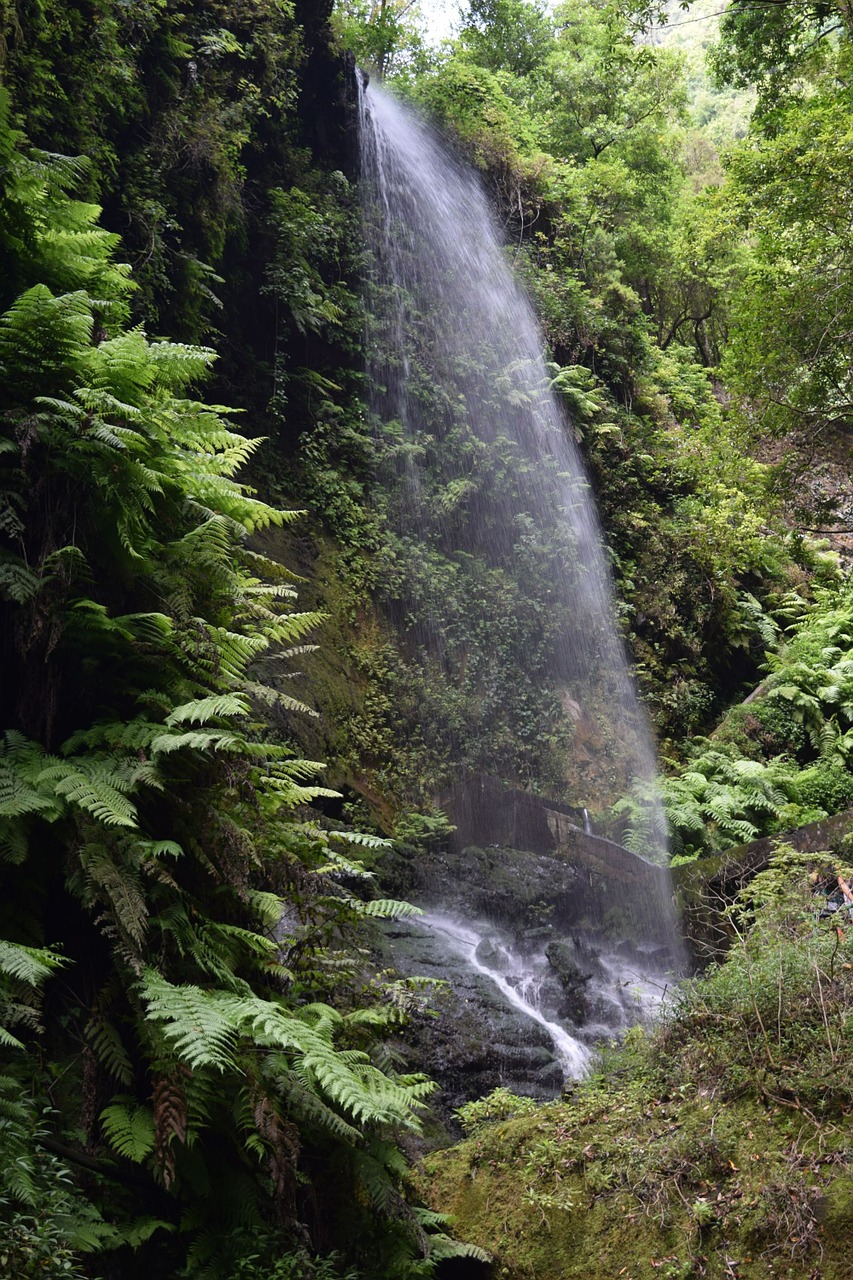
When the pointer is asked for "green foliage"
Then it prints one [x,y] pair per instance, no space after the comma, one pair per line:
[788,186]
[777,1011]
[385,35]
[179,111]
[772,48]
[149,821]
[718,801]
[500,1104]
[511,35]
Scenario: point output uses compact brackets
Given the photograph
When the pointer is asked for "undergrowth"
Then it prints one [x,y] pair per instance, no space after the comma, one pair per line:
[717,1145]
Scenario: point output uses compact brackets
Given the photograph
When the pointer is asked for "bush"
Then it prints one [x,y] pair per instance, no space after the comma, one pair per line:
[777,1014]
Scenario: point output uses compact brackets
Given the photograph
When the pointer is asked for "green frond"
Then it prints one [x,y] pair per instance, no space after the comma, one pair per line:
[22,788]
[41,332]
[176,364]
[107,881]
[159,848]
[443,1246]
[268,907]
[94,795]
[167,743]
[17,583]
[30,965]
[107,1046]
[305,1105]
[202,710]
[129,1129]
[201,1027]
[375,1182]
[134,735]
[275,698]
[362,839]
[384,909]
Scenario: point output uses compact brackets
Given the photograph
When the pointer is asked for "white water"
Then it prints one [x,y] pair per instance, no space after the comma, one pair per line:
[521,992]
[482,477]
[482,462]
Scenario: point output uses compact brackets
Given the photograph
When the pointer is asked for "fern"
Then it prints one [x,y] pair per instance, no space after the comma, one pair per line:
[30,965]
[382,908]
[129,578]
[200,1027]
[129,1129]
[87,786]
[202,710]
[107,1046]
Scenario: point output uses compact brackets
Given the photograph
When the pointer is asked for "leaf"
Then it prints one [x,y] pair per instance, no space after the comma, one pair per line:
[202,710]
[129,1129]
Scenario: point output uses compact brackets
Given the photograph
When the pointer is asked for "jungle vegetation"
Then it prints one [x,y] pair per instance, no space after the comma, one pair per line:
[196,1075]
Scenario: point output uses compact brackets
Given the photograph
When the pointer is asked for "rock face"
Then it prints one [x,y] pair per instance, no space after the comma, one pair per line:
[478,1041]
[542,952]
[570,970]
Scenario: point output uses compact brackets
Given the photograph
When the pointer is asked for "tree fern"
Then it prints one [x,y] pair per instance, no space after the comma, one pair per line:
[144,786]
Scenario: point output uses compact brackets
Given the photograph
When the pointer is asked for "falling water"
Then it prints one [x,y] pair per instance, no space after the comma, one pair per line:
[482,480]
[517,983]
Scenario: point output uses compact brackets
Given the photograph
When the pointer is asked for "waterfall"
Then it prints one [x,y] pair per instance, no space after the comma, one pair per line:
[485,491]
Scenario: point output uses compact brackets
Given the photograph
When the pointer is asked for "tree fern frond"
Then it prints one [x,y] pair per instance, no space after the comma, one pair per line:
[134,735]
[17,582]
[94,795]
[362,839]
[167,743]
[274,697]
[106,881]
[30,965]
[103,1036]
[305,1105]
[129,1129]
[268,907]
[201,1027]
[384,909]
[41,332]
[202,710]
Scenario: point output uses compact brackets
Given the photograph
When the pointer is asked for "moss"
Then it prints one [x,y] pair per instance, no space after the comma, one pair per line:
[621,1183]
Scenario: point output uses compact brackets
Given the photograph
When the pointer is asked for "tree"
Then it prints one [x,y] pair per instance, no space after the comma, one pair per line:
[383,34]
[603,90]
[507,35]
[790,195]
[771,44]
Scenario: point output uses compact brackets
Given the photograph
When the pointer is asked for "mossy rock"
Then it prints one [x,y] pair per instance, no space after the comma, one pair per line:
[620,1184]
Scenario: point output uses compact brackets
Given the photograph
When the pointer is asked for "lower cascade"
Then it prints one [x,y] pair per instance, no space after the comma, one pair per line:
[520,980]
[533,981]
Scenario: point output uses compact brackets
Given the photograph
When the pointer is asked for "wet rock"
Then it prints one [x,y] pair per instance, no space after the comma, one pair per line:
[562,956]
[491,953]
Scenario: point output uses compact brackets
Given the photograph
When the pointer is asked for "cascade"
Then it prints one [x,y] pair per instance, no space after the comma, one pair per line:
[506,595]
